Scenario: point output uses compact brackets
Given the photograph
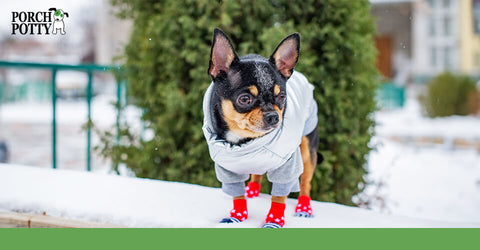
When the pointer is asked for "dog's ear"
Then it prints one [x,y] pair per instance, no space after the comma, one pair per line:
[286,54]
[52,9]
[65,13]
[222,54]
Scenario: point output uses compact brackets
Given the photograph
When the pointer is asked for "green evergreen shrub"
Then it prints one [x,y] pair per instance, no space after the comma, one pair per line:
[449,94]
[167,59]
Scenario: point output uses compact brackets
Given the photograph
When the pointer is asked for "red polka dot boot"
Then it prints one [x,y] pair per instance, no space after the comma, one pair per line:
[276,216]
[239,212]
[252,190]
[303,209]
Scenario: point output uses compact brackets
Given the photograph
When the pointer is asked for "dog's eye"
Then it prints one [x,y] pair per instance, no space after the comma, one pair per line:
[245,100]
[281,97]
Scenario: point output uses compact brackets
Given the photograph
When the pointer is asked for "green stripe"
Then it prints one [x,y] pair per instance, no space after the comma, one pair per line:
[239,239]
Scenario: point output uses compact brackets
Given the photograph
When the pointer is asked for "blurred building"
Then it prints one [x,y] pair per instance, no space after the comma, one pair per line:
[470,36]
[417,39]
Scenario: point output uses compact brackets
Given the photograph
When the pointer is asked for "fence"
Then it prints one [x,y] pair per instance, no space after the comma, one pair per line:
[89,69]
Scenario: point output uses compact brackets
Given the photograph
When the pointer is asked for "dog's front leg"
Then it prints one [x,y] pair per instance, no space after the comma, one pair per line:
[276,215]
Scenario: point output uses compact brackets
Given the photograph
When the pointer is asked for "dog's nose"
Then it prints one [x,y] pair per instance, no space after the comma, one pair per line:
[271,118]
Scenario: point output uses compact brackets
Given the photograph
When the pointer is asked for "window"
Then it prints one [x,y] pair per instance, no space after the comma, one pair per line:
[431,28]
[446,26]
[446,4]
[431,3]
[433,57]
[447,60]
[476,16]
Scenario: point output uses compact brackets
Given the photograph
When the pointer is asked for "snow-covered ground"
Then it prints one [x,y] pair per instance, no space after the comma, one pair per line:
[425,182]
[136,202]
[419,178]
[429,180]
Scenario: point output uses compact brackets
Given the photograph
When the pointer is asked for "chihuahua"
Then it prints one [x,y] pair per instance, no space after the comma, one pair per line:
[260,117]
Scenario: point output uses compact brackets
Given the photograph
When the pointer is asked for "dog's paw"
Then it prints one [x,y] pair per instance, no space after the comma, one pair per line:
[303,208]
[230,220]
[239,212]
[252,190]
[303,214]
[271,225]
[276,215]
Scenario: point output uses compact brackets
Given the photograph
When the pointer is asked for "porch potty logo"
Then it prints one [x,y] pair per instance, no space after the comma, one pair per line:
[39,23]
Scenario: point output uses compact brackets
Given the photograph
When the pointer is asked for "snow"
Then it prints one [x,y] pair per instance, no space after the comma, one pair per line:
[425,182]
[414,177]
[136,202]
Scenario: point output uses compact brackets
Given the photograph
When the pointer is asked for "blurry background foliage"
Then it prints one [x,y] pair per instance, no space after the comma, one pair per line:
[448,94]
[167,59]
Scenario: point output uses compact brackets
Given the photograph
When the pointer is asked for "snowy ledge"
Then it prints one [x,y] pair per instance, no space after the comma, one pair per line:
[19,220]
[135,202]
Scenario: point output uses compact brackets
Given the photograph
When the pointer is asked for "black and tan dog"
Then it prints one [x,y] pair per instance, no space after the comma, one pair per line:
[260,117]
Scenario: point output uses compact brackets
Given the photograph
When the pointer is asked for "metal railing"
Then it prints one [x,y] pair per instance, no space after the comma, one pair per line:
[89,69]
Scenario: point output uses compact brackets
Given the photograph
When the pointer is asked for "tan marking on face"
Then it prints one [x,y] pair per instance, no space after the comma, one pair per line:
[279,112]
[276,90]
[253,90]
[244,125]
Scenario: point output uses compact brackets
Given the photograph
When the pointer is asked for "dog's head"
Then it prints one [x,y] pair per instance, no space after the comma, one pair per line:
[252,88]
[58,14]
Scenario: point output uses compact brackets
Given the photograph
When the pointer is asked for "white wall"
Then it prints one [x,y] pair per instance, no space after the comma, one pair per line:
[112,34]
